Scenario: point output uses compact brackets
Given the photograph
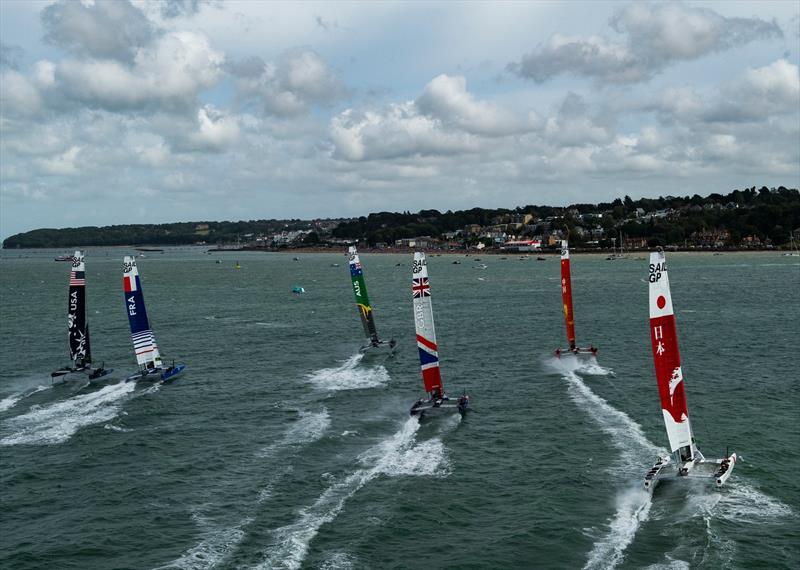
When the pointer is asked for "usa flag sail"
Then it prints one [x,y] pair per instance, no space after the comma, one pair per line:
[78,329]
[423,321]
[667,358]
[144,342]
[566,294]
[362,299]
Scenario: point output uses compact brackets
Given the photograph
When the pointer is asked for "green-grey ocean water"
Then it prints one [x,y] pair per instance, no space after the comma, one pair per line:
[279,448]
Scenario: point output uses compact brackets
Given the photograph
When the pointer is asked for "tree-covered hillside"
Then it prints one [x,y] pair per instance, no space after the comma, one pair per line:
[752,217]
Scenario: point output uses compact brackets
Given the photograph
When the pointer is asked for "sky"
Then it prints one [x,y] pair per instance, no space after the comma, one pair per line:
[150,111]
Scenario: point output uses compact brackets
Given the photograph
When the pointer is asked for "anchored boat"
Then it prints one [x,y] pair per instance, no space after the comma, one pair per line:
[566,298]
[376,345]
[688,461]
[437,401]
[148,356]
[80,351]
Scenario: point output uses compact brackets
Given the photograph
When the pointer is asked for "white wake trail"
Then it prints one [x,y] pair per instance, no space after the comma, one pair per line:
[350,375]
[395,456]
[211,551]
[57,422]
[310,427]
[745,504]
[633,508]
[741,503]
[10,401]
[219,542]
[633,503]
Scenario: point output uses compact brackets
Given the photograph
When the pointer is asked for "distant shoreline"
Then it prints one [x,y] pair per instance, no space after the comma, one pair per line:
[341,250]
[493,252]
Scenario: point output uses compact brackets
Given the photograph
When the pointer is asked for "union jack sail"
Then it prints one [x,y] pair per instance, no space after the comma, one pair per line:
[421,288]
[423,322]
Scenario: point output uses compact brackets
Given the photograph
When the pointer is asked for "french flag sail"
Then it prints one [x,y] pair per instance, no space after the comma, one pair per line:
[360,291]
[78,329]
[423,321]
[144,342]
[566,294]
[667,358]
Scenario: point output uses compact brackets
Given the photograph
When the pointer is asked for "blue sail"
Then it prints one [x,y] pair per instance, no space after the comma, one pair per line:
[144,341]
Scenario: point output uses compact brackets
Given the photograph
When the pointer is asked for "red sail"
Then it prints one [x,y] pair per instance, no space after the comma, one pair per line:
[566,294]
[667,360]
[666,356]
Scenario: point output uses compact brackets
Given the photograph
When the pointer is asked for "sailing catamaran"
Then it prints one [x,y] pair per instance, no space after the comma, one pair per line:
[375,345]
[566,298]
[689,462]
[144,341]
[792,247]
[80,351]
[437,401]
[617,255]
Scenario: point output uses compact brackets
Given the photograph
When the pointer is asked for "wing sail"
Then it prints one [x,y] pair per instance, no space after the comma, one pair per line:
[362,299]
[144,341]
[566,293]
[423,321]
[78,330]
[666,356]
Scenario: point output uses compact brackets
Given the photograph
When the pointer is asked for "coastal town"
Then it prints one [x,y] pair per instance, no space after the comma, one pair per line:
[749,219]
[712,223]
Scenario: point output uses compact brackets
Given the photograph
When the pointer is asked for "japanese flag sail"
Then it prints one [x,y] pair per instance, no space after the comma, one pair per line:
[144,342]
[566,293]
[360,291]
[667,359]
[423,322]
[77,327]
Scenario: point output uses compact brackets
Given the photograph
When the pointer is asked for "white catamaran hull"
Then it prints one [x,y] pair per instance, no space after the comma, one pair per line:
[430,408]
[74,373]
[581,353]
[160,374]
[381,348]
[717,470]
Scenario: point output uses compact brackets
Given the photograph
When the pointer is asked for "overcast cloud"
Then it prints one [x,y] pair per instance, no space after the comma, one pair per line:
[142,111]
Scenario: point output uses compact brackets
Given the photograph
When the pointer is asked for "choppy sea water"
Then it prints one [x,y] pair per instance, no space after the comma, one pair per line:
[280,447]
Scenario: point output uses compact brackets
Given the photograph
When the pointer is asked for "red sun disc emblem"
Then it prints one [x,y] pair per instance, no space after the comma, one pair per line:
[661,301]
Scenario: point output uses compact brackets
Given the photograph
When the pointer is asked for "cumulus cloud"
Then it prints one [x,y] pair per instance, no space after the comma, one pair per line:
[656,35]
[63,164]
[10,56]
[397,131]
[758,94]
[18,95]
[177,8]
[153,155]
[445,119]
[446,97]
[103,29]
[593,56]
[291,84]
[573,126]
[214,131]
[777,86]
[764,92]
[169,73]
